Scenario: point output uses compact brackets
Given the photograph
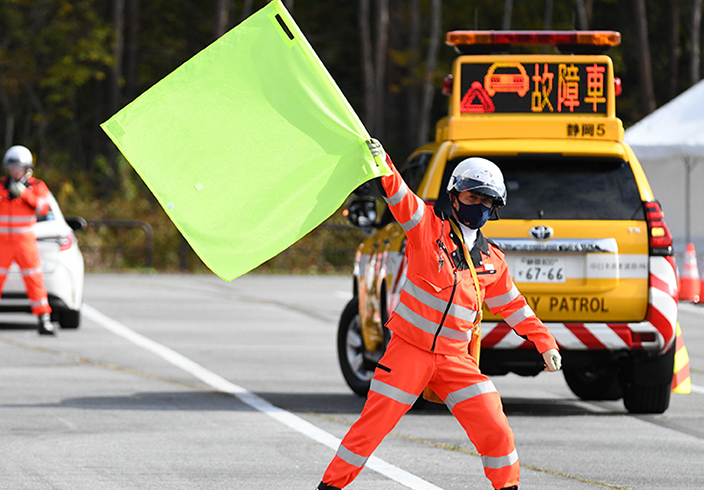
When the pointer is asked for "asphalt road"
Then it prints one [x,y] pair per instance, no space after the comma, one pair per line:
[188,382]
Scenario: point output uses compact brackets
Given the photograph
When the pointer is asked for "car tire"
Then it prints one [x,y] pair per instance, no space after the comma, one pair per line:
[70,318]
[594,382]
[350,350]
[647,399]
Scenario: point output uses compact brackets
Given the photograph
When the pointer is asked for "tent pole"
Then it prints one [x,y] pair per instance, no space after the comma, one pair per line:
[687,193]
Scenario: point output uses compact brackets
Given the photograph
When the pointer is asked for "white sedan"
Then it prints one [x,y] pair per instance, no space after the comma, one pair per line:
[62,265]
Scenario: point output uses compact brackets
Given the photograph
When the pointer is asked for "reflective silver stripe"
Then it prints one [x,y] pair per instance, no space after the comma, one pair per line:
[398,197]
[23,229]
[503,299]
[29,272]
[427,326]
[351,458]
[18,219]
[4,271]
[519,315]
[39,303]
[417,216]
[500,462]
[438,304]
[392,392]
[469,392]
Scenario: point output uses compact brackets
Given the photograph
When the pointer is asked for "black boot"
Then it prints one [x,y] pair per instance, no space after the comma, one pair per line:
[45,325]
[515,487]
[325,486]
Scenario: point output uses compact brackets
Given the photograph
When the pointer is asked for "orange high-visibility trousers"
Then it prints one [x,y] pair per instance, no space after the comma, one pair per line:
[400,377]
[22,248]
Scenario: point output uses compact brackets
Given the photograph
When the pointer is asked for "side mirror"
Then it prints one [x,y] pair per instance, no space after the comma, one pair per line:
[77,223]
[361,212]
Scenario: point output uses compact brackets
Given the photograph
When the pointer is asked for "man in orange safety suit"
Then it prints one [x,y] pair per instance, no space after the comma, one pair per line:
[452,269]
[22,198]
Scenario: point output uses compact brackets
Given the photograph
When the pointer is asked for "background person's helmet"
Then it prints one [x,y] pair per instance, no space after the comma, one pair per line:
[480,176]
[18,156]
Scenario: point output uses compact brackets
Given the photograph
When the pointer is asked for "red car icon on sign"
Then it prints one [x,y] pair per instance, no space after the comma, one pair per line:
[513,78]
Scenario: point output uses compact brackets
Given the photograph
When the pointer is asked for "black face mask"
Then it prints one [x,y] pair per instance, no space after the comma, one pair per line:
[472,215]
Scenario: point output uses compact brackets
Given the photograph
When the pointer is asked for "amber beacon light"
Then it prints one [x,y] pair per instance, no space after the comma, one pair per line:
[604,39]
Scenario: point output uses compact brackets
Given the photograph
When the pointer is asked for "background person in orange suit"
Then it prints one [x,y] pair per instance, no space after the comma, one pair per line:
[432,325]
[22,198]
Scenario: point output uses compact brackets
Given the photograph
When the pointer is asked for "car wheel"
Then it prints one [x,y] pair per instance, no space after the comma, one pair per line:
[350,350]
[594,382]
[70,318]
[647,399]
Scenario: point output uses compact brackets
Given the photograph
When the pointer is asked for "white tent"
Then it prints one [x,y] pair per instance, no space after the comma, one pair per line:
[670,146]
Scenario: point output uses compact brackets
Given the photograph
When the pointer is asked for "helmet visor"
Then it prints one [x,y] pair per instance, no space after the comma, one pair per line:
[478,187]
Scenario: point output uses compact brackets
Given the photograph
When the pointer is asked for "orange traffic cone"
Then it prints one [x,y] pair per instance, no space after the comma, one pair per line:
[681,382]
[689,281]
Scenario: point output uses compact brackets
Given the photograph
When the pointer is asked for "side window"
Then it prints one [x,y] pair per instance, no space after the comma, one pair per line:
[412,172]
[443,202]
[47,217]
[414,169]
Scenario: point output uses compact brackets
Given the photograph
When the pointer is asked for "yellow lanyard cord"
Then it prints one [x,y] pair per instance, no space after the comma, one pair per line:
[475,343]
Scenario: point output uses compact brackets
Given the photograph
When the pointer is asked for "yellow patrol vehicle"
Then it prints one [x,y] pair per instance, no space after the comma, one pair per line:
[584,237]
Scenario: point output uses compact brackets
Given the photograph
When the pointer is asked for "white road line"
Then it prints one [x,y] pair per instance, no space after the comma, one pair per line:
[343,294]
[698,389]
[258,403]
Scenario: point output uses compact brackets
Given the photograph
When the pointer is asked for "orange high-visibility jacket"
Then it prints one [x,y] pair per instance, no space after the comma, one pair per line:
[18,215]
[438,305]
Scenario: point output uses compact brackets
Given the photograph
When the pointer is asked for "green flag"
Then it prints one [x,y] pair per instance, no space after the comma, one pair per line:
[249,145]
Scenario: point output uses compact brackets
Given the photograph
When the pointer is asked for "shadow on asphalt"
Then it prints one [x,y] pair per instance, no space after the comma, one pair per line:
[321,403]
[29,325]
[349,403]
[550,407]
[182,400]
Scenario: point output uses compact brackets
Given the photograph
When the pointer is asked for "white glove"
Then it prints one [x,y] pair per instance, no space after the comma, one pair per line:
[553,360]
[375,148]
[16,188]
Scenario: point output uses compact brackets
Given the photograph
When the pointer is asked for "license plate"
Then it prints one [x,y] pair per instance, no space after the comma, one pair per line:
[539,269]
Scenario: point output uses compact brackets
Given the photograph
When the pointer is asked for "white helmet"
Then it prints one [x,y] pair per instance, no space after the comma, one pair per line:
[481,176]
[18,156]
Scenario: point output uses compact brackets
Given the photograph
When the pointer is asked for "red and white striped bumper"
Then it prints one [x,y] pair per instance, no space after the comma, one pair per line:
[656,333]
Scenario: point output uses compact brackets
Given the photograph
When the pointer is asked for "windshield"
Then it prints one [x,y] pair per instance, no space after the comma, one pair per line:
[557,187]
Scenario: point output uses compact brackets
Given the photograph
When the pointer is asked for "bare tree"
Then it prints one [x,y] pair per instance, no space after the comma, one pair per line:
[222,17]
[674,49]
[9,117]
[382,48]
[247,9]
[547,20]
[118,26]
[646,76]
[413,92]
[508,10]
[367,64]
[694,61]
[374,59]
[431,61]
[132,45]
[581,11]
